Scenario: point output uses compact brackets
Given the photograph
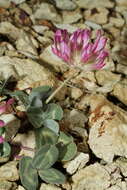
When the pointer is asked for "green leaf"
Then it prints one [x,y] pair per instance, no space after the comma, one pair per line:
[51,124]
[52,175]
[35,116]
[2,130]
[5,149]
[67,152]
[45,157]
[41,92]
[53,111]
[28,175]
[65,139]
[22,96]
[44,136]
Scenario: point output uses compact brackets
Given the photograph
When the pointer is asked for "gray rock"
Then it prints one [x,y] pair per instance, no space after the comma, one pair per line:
[65,5]
[5,3]
[18,1]
[26,71]
[49,187]
[6,185]
[48,12]
[120,91]
[108,134]
[9,171]
[71,16]
[9,29]
[89,4]
[25,43]
[77,163]
[93,177]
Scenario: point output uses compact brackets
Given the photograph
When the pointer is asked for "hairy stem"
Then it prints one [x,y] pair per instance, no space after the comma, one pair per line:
[60,87]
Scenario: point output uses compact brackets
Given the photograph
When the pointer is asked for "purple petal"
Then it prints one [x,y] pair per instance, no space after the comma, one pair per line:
[2,123]
[1,139]
[2,109]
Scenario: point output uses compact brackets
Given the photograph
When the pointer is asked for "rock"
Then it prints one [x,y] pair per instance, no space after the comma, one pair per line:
[9,29]
[27,72]
[25,43]
[93,25]
[48,12]
[20,188]
[95,17]
[65,5]
[107,80]
[108,123]
[49,187]
[117,21]
[99,177]
[122,164]
[24,6]
[122,68]
[122,4]
[9,171]
[17,1]
[5,3]
[6,185]
[77,163]
[89,4]
[120,91]
[40,29]
[71,16]
[76,93]
[93,177]
[50,58]
[27,141]
[74,118]
[12,125]
[69,27]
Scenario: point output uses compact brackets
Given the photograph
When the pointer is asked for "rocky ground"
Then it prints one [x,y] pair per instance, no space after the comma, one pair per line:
[94,103]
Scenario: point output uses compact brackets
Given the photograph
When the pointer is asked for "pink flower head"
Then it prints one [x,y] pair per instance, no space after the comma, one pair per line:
[5,106]
[2,123]
[1,139]
[78,50]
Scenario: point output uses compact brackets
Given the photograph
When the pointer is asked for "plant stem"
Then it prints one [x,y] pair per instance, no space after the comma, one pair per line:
[60,87]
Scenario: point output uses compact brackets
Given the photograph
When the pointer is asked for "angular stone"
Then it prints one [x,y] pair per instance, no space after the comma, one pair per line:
[5,3]
[20,188]
[9,171]
[93,177]
[120,91]
[65,5]
[77,163]
[95,17]
[71,16]
[9,29]
[18,1]
[76,93]
[26,71]
[25,43]
[49,187]
[6,185]
[108,128]
[89,4]
[48,12]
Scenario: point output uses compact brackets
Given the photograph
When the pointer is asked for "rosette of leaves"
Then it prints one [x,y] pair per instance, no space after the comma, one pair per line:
[65,143]
[40,166]
[37,110]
